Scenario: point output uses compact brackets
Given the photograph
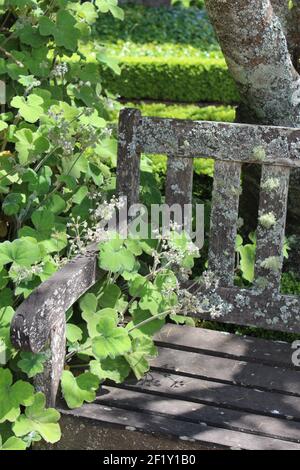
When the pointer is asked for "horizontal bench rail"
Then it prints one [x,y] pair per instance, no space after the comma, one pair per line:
[219,140]
[249,307]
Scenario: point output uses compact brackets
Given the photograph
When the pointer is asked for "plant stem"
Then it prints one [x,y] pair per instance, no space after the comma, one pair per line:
[10,56]
[148,320]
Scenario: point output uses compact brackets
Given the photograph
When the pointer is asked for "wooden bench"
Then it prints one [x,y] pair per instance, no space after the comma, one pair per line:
[206,388]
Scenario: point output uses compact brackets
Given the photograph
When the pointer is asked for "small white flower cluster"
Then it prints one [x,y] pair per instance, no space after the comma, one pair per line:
[76,237]
[60,135]
[88,112]
[82,83]
[33,85]
[60,70]
[81,235]
[22,22]
[209,280]
[172,253]
[188,302]
[105,210]
[110,104]
[25,274]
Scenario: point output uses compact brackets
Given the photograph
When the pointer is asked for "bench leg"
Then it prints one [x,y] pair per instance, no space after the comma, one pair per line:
[48,381]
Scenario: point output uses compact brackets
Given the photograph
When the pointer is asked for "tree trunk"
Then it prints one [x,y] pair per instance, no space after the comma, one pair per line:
[260,40]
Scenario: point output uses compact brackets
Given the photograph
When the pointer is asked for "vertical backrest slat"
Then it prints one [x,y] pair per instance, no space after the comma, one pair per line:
[224,217]
[271,226]
[128,163]
[179,185]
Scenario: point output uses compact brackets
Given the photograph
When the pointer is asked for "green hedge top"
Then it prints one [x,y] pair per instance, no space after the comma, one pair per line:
[172,79]
[188,111]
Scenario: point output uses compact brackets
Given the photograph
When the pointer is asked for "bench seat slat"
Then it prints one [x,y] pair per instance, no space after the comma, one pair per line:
[199,413]
[218,394]
[225,370]
[223,344]
[176,428]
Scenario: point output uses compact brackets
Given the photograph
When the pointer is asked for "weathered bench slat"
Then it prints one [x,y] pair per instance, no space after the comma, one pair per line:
[40,312]
[39,322]
[224,216]
[229,371]
[271,227]
[179,186]
[219,140]
[222,344]
[218,394]
[162,425]
[252,308]
[128,163]
[198,413]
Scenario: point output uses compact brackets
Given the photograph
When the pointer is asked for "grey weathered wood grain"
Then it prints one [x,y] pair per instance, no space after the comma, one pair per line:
[223,223]
[128,163]
[48,381]
[179,187]
[271,227]
[250,307]
[235,371]
[199,413]
[38,314]
[39,322]
[215,393]
[161,425]
[219,140]
[223,344]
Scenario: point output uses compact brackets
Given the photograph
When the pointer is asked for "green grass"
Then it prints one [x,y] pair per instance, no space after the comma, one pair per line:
[190,111]
[151,49]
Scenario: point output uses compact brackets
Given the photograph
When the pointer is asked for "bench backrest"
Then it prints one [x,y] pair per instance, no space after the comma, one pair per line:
[276,149]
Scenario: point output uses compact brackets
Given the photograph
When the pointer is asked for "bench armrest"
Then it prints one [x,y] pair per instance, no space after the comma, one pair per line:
[39,322]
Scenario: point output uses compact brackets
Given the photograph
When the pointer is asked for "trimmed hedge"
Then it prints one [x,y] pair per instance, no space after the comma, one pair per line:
[172,79]
[175,25]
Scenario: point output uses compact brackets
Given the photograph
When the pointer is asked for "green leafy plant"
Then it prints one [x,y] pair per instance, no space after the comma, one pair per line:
[57,151]
[140,289]
[56,172]
[246,257]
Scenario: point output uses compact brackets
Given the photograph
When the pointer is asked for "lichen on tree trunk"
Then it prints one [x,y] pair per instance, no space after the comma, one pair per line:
[256,50]
[260,40]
